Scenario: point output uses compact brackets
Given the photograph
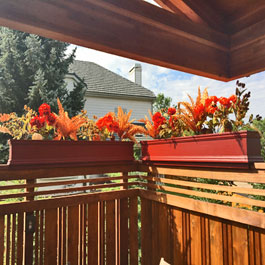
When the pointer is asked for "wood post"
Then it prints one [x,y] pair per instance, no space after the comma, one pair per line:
[29,225]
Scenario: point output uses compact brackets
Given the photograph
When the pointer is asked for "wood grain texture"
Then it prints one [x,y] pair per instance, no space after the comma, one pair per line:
[194,184]
[216,242]
[51,223]
[110,233]
[235,199]
[65,191]
[100,25]
[92,226]
[195,239]
[133,231]
[124,231]
[20,225]
[230,213]
[252,176]
[240,245]
[146,231]
[69,200]
[73,234]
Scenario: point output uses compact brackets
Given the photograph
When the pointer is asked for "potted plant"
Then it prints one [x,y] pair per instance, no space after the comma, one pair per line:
[203,132]
[50,139]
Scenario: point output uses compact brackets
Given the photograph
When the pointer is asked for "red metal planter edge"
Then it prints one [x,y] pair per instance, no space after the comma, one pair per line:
[228,149]
[65,153]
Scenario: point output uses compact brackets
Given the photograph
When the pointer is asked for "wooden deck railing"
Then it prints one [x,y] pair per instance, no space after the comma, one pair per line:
[187,215]
[195,222]
[88,224]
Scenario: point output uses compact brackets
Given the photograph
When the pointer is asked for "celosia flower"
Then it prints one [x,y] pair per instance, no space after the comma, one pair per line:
[50,119]
[171,111]
[44,109]
[38,122]
[108,122]
[198,111]
[225,102]
[210,104]
[233,98]
[158,119]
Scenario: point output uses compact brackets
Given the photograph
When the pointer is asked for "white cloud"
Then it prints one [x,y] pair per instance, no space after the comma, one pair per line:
[177,84]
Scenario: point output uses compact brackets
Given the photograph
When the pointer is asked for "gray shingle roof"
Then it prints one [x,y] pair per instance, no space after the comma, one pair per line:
[100,80]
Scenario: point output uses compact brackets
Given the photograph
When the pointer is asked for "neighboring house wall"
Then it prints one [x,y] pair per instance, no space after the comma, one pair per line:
[70,82]
[99,106]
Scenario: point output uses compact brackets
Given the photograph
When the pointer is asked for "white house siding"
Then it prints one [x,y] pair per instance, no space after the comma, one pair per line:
[70,83]
[99,106]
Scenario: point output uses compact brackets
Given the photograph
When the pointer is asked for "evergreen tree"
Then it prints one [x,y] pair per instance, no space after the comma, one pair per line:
[32,71]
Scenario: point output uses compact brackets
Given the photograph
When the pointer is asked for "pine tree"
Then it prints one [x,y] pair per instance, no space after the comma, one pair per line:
[32,71]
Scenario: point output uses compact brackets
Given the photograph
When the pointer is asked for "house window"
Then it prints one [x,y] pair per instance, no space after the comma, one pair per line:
[116,110]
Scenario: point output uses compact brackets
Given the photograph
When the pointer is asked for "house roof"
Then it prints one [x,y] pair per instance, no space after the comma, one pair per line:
[100,80]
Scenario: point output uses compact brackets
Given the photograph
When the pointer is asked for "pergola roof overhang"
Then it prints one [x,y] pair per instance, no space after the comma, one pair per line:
[221,39]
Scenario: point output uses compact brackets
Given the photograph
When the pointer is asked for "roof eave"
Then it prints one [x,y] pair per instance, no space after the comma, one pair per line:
[122,96]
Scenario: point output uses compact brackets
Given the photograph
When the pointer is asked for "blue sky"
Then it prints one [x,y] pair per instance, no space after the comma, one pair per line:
[177,84]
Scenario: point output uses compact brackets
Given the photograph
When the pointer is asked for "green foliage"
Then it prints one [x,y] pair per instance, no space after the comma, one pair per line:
[33,70]
[260,125]
[161,102]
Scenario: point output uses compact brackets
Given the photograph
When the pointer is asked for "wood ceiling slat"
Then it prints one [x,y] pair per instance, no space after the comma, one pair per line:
[133,29]
[196,11]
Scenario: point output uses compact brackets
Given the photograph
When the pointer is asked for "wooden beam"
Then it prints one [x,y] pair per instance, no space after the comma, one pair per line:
[197,11]
[134,29]
[247,55]
[246,16]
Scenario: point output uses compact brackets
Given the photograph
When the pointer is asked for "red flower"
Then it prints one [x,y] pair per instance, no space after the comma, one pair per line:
[44,109]
[38,122]
[108,122]
[113,127]
[210,104]
[50,119]
[158,119]
[171,111]
[211,109]
[225,102]
[198,111]
[233,98]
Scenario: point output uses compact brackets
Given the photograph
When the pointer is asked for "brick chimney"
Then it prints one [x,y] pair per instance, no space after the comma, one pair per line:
[135,74]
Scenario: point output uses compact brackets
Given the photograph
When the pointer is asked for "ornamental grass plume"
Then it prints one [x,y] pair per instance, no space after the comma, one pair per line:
[66,127]
[120,124]
[194,114]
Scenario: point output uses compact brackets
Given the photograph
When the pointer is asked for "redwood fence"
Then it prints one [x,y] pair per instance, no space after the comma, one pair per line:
[139,216]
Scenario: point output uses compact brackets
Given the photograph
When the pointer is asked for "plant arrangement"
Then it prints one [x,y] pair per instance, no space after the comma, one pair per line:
[205,115]
[46,125]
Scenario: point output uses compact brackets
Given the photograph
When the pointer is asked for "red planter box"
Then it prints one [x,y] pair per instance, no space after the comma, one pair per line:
[226,149]
[65,153]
